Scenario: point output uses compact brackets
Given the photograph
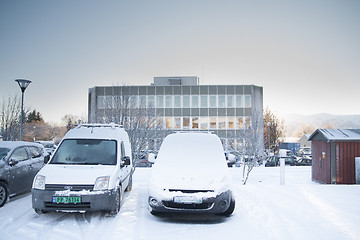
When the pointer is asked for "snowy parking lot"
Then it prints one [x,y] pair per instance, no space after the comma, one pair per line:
[300,209]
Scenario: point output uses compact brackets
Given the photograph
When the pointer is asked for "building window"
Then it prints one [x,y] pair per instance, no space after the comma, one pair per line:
[186,123]
[186,101]
[142,101]
[221,101]
[248,101]
[204,123]
[195,123]
[160,101]
[195,101]
[160,122]
[212,122]
[177,122]
[204,101]
[230,101]
[248,121]
[239,101]
[213,101]
[151,102]
[168,122]
[168,101]
[134,102]
[239,122]
[101,102]
[222,122]
[177,101]
[231,122]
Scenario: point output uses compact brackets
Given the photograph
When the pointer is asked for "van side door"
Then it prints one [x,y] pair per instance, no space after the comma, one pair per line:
[125,168]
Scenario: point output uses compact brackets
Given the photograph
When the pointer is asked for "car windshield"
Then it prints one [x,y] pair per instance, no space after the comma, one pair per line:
[86,152]
[3,152]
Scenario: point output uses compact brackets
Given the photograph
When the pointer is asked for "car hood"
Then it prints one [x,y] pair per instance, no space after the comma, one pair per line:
[74,174]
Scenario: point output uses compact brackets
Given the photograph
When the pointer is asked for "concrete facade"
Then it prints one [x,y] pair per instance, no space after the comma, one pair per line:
[181,104]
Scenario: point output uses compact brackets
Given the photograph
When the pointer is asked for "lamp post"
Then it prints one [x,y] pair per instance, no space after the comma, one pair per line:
[23,84]
[269,124]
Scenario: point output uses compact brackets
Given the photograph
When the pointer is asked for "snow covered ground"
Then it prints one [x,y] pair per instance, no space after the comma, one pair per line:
[300,209]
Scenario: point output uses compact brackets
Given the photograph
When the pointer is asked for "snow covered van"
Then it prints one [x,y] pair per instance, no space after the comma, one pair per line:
[89,171]
[190,174]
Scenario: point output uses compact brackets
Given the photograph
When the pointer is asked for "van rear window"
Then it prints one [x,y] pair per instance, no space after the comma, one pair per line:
[86,152]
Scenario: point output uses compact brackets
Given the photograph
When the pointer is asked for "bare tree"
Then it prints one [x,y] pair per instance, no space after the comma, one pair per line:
[277,130]
[252,147]
[139,120]
[10,118]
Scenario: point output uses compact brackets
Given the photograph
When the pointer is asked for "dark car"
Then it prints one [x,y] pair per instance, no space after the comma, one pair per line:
[304,162]
[19,163]
[290,161]
[272,161]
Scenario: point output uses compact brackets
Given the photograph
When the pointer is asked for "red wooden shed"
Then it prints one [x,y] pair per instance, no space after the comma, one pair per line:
[333,155]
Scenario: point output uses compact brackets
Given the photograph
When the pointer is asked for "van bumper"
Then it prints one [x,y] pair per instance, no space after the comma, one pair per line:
[217,205]
[90,200]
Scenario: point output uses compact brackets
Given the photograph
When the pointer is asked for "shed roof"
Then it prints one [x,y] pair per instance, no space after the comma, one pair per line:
[336,134]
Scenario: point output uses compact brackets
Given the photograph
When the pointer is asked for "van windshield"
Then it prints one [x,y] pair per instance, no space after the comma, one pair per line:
[86,152]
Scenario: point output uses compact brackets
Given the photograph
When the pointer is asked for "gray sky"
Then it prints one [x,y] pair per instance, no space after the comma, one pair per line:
[305,54]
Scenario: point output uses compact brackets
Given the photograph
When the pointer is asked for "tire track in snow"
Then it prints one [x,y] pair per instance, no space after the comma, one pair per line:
[332,215]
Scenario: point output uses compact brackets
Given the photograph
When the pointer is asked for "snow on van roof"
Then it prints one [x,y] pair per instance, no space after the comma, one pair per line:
[98,131]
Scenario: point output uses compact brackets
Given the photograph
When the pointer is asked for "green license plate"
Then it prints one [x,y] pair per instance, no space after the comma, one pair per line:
[66,200]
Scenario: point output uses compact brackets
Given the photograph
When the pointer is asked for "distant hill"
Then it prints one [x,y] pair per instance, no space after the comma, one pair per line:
[295,121]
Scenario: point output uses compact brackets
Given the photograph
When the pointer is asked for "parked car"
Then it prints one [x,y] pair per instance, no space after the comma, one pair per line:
[304,162]
[89,171]
[48,145]
[142,160]
[190,174]
[230,159]
[304,152]
[19,163]
[272,161]
[290,161]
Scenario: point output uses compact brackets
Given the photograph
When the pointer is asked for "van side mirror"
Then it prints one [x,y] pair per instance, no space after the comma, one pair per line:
[46,158]
[151,158]
[125,161]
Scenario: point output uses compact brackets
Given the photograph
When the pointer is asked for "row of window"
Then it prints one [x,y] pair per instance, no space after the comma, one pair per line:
[186,123]
[177,101]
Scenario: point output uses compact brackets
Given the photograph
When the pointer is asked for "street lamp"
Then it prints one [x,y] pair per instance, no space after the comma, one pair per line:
[23,84]
[269,124]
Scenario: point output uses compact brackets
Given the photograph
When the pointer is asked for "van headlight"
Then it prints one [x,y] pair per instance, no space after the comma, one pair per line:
[101,183]
[39,182]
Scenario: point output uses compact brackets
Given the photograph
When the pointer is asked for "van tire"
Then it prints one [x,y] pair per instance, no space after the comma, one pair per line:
[39,211]
[129,186]
[4,194]
[117,202]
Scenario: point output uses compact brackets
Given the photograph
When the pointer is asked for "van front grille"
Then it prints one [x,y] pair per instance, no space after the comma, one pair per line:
[64,187]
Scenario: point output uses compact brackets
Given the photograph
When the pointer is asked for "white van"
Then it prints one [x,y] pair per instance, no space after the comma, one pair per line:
[89,171]
[190,174]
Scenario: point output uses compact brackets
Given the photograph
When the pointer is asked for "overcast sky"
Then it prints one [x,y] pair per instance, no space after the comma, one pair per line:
[305,54]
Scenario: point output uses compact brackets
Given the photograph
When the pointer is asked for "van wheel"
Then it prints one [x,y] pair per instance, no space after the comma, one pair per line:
[117,203]
[230,210]
[3,194]
[129,186]
[39,211]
